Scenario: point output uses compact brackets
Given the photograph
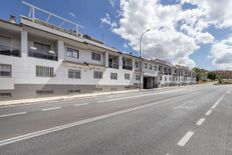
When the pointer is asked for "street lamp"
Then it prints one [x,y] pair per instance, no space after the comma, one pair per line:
[140,56]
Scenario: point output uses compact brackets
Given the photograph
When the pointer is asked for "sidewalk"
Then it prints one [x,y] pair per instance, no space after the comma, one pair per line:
[57,98]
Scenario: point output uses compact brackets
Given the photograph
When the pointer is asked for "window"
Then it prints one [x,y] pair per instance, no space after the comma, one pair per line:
[5,95]
[145,66]
[160,78]
[150,67]
[5,70]
[42,47]
[74,91]
[136,64]
[43,71]
[73,53]
[114,76]
[96,56]
[127,76]
[137,77]
[44,92]
[155,68]
[74,74]
[165,78]
[97,75]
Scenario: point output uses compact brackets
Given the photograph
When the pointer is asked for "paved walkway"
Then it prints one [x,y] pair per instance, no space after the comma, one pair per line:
[37,100]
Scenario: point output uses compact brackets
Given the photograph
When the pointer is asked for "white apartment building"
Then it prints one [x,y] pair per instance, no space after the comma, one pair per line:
[39,59]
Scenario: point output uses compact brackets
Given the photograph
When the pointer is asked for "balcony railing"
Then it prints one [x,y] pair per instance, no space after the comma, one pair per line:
[43,54]
[10,51]
[112,65]
[127,67]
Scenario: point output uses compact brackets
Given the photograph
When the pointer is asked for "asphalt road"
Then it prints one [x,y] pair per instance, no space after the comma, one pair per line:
[191,120]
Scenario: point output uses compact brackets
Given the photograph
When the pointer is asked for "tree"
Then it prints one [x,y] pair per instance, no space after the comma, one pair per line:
[200,73]
[212,76]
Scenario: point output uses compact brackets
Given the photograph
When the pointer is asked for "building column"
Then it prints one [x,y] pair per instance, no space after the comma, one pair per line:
[24,43]
[107,59]
[133,64]
[120,62]
[61,51]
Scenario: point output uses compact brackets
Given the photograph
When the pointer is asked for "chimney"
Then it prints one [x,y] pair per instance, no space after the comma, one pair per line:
[12,19]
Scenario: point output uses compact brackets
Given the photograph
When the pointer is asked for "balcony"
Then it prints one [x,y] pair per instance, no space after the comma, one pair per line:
[127,63]
[43,54]
[10,51]
[127,67]
[113,65]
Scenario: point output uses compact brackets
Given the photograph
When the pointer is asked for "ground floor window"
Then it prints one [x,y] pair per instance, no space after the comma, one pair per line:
[127,76]
[74,74]
[5,95]
[74,91]
[97,74]
[137,77]
[44,92]
[43,71]
[5,70]
[113,76]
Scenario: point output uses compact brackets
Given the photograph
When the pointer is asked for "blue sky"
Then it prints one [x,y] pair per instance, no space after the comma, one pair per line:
[122,35]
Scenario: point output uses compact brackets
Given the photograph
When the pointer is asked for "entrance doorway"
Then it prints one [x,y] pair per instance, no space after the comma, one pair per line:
[150,82]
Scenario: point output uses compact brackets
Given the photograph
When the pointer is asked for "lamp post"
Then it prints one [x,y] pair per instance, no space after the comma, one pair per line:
[140,57]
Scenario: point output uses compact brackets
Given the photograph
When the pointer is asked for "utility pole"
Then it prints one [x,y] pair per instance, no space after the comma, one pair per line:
[140,57]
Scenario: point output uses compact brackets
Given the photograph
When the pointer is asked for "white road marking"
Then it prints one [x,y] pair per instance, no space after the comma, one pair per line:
[13,114]
[208,112]
[80,104]
[200,122]
[185,139]
[53,108]
[228,91]
[216,104]
[82,122]
[129,97]
[220,99]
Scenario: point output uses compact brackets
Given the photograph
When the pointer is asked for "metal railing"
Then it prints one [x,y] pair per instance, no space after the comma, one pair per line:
[113,65]
[127,67]
[32,15]
[43,54]
[10,51]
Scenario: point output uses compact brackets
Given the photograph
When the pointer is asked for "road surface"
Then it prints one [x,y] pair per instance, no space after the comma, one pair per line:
[191,120]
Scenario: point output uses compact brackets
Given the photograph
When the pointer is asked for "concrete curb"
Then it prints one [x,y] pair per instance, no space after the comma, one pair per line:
[81,96]
[57,98]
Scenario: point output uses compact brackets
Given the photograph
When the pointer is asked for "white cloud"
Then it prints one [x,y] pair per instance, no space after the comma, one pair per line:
[107,20]
[176,33]
[112,2]
[72,14]
[125,45]
[217,12]
[221,54]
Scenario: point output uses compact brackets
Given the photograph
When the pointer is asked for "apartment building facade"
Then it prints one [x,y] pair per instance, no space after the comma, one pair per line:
[38,59]
[226,74]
